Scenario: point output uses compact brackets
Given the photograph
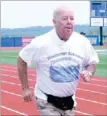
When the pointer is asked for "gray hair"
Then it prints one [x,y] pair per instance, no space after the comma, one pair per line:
[58,9]
[55,13]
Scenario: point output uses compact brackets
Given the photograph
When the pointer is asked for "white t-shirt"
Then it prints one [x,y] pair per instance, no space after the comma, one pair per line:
[58,63]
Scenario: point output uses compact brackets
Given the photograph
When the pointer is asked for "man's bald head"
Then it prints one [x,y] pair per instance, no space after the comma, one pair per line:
[60,10]
[63,19]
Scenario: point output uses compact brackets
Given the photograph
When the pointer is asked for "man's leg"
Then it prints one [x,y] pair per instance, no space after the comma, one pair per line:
[70,112]
[46,109]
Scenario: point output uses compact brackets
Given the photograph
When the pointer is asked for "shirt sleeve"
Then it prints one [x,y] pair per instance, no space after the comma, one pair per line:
[91,56]
[28,53]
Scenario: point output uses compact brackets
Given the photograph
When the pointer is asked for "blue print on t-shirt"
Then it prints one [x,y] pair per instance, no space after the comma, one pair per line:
[64,73]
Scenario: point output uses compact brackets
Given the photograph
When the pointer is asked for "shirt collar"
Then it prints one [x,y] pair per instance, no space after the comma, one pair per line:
[56,38]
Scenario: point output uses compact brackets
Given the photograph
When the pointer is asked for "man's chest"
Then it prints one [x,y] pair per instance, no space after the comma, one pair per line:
[61,53]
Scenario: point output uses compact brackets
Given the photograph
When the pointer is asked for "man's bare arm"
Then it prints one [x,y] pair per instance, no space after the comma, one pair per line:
[22,72]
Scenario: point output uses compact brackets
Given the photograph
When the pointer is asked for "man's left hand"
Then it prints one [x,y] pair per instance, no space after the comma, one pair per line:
[86,75]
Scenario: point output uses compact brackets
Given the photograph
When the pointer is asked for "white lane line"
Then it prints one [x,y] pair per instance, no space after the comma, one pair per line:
[9,70]
[20,113]
[93,84]
[13,84]
[32,69]
[12,67]
[84,113]
[15,72]
[28,78]
[91,79]
[10,83]
[91,91]
[16,77]
[35,75]
[11,93]
[27,115]
[92,101]
[83,100]
[99,80]
[79,82]
[77,88]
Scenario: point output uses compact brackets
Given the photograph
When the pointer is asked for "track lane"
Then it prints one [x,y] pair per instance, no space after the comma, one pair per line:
[33,76]
[7,66]
[86,94]
[8,111]
[85,97]
[17,103]
[36,112]
[83,92]
[93,108]
[24,106]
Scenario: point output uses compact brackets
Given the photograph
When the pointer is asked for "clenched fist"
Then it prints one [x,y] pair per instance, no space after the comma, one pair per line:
[27,94]
[86,75]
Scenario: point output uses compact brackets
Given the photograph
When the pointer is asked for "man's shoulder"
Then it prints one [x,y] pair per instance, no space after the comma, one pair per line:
[42,39]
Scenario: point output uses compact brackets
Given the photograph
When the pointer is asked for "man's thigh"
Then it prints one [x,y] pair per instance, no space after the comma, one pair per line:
[46,108]
[70,112]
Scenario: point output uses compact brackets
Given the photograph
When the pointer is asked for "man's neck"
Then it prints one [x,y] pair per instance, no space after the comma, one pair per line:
[62,38]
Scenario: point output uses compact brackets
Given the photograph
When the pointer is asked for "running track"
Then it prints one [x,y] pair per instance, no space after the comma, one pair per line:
[91,97]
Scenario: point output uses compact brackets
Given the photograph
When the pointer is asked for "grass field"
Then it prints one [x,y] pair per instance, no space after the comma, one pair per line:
[10,57]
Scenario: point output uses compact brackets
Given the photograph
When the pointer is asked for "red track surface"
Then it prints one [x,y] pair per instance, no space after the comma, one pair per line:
[91,97]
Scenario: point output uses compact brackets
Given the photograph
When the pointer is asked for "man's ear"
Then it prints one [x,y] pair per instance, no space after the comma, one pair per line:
[54,21]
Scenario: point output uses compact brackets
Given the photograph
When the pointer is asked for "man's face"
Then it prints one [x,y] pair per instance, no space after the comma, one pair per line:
[64,24]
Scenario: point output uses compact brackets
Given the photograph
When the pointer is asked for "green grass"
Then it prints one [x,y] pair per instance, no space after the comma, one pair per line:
[102,66]
[10,57]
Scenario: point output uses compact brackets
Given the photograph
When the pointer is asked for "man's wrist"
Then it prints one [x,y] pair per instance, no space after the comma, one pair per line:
[25,87]
[91,73]
[91,69]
